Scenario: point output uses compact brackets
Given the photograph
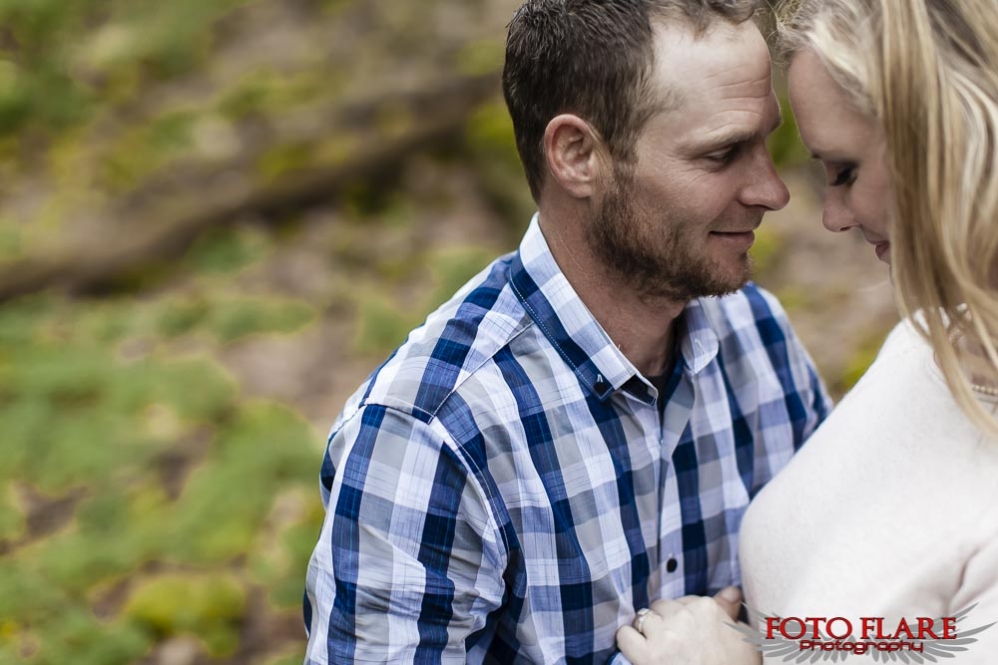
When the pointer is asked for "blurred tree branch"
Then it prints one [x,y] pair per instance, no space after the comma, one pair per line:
[430,117]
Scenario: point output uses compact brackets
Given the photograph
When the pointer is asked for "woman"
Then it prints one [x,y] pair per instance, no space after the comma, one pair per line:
[891,509]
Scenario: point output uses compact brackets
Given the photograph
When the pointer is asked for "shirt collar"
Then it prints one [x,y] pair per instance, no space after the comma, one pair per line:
[571,328]
[698,340]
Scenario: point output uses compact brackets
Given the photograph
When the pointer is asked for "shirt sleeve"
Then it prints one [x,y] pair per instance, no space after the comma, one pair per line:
[804,398]
[815,394]
[804,378]
[409,561]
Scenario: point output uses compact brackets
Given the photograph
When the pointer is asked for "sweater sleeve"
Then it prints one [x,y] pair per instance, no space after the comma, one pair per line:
[980,589]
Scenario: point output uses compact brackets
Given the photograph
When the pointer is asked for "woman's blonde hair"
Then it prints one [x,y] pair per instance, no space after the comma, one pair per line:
[928,70]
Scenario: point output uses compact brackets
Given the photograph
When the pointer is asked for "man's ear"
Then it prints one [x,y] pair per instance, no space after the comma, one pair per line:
[573,155]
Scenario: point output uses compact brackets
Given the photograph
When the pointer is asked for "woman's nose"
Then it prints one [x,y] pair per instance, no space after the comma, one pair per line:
[835,215]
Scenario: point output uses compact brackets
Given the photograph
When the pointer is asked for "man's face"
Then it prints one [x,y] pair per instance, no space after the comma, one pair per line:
[678,222]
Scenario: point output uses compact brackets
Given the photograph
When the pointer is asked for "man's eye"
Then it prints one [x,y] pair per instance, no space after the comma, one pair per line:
[723,156]
[845,177]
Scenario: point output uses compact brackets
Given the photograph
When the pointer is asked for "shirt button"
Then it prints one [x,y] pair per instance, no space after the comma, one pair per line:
[671,565]
[601,386]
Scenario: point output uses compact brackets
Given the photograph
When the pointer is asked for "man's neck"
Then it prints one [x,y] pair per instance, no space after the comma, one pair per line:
[642,328]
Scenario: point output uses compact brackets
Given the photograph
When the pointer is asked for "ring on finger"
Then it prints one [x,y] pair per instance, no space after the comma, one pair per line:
[639,620]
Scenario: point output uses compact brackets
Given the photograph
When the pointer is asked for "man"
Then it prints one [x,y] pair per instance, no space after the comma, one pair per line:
[577,433]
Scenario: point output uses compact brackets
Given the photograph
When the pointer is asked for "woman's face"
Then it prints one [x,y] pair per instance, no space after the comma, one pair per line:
[851,147]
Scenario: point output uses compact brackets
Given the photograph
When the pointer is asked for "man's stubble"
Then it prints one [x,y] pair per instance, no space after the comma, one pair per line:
[660,258]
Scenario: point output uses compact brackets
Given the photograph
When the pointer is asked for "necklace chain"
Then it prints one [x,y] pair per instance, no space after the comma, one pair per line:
[984,390]
[991,391]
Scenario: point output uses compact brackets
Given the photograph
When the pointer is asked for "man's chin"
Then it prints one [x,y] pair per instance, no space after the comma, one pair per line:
[688,290]
[721,290]
[727,279]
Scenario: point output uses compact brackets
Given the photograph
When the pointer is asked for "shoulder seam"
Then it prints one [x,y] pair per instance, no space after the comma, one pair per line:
[428,416]
[471,372]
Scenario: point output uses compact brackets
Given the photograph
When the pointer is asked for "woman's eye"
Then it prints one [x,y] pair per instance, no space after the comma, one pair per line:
[845,177]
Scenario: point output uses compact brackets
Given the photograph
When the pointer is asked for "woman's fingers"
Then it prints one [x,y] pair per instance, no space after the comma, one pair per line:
[630,636]
[681,614]
[648,623]
[691,609]
[667,609]
[730,600]
[687,630]
[707,604]
[632,644]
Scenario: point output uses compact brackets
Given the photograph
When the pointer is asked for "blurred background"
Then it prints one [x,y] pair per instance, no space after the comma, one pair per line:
[216,218]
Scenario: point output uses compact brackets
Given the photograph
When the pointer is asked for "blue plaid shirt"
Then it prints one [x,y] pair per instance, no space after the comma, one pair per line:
[504,488]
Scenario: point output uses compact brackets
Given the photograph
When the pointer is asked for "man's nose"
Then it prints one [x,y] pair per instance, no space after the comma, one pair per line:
[766,189]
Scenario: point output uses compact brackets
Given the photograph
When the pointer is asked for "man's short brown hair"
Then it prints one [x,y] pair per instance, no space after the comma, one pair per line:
[592,58]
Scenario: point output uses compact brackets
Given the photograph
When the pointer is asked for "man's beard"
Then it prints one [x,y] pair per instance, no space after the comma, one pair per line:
[657,261]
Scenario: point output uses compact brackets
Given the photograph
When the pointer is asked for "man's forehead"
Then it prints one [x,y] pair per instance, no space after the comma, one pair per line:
[725,56]
[714,82]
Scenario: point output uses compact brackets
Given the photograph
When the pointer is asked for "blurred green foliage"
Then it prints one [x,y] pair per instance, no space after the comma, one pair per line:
[862,357]
[265,90]
[146,149]
[784,144]
[208,606]
[766,250]
[62,58]
[490,132]
[234,319]
[479,57]
[227,250]
[161,462]
[493,151]
[384,322]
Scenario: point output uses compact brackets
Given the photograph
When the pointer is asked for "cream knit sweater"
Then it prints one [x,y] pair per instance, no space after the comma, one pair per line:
[890,510]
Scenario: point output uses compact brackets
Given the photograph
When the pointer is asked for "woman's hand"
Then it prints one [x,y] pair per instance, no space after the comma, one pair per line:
[688,631]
